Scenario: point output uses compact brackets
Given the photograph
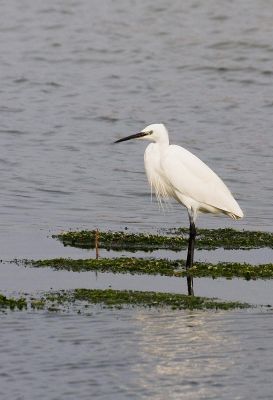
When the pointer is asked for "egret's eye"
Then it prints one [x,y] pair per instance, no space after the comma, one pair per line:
[151,132]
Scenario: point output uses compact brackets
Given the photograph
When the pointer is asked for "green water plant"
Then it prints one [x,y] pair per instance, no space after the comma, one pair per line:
[79,299]
[175,239]
[12,303]
[121,298]
[153,266]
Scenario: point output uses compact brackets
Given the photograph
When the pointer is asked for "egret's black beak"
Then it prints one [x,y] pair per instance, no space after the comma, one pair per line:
[137,135]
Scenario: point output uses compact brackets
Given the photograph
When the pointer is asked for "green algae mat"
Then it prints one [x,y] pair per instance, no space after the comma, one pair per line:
[12,303]
[153,266]
[175,239]
[63,300]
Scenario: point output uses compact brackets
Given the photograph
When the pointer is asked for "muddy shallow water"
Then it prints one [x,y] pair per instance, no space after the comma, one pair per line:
[74,77]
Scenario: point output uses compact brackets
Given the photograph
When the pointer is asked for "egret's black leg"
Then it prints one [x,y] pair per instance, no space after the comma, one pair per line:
[190,254]
[189,262]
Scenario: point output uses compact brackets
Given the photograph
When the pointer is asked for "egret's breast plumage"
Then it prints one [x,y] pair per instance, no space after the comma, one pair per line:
[156,178]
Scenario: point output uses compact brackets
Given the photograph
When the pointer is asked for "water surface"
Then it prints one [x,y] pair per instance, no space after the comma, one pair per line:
[75,76]
[137,354]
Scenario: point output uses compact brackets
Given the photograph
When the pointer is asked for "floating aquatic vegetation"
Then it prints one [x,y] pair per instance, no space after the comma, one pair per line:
[229,238]
[153,266]
[12,303]
[152,299]
[79,299]
[176,239]
[124,298]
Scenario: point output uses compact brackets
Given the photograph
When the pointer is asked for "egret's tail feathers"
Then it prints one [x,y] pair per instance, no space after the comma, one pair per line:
[235,216]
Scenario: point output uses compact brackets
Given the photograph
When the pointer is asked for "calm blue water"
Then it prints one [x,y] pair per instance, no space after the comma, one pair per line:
[77,75]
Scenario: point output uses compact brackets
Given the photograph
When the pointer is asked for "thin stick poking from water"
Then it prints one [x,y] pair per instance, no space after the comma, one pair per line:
[97,243]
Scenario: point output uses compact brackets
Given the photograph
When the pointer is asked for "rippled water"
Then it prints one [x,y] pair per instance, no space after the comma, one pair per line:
[137,355]
[76,75]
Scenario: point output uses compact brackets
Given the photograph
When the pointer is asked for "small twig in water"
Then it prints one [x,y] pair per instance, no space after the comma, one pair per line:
[97,243]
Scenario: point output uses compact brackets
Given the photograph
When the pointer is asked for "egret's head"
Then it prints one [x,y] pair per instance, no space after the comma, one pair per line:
[153,132]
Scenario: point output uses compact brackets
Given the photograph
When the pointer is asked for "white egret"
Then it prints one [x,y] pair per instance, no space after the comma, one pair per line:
[173,171]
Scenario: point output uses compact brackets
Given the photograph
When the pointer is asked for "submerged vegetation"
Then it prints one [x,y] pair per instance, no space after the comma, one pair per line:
[12,303]
[175,239]
[117,298]
[80,299]
[230,238]
[152,266]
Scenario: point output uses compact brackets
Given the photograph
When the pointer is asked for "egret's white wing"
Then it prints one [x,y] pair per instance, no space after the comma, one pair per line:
[194,179]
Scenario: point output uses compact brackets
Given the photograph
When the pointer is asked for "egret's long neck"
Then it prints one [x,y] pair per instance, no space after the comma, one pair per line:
[163,141]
